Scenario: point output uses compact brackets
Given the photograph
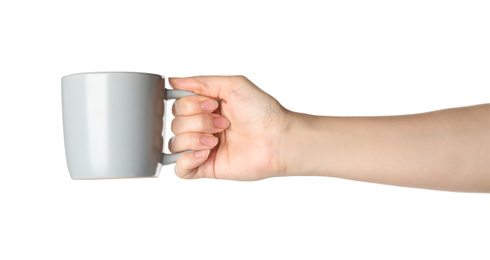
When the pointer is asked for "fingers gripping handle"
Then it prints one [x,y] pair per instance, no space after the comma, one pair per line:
[169,158]
[176,94]
[166,159]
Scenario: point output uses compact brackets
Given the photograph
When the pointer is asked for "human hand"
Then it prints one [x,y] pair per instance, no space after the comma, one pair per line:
[250,136]
[239,139]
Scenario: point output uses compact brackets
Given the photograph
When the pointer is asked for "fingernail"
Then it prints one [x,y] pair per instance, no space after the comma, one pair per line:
[209,140]
[201,154]
[220,122]
[209,105]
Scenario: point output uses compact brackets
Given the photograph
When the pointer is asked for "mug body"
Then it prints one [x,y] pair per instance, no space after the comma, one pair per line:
[113,124]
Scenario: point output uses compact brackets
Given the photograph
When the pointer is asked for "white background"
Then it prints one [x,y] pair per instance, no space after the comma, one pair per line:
[341,58]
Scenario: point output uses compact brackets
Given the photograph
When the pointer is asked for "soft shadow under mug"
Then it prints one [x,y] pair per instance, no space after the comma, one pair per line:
[113,124]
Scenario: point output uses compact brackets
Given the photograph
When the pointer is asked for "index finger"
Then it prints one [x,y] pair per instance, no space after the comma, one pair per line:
[192,105]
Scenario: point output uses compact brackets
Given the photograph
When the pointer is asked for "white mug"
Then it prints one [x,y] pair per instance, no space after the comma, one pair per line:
[113,124]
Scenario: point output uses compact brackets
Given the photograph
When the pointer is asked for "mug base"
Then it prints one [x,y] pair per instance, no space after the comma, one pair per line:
[113,178]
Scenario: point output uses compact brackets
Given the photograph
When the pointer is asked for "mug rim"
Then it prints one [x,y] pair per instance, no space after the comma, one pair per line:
[112,72]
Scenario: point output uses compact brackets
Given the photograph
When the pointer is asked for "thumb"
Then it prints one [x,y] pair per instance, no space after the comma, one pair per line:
[210,86]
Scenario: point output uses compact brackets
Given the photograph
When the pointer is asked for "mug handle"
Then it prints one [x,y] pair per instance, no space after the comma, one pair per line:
[169,158]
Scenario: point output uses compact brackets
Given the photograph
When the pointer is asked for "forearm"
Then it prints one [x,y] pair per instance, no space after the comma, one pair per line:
[446,150]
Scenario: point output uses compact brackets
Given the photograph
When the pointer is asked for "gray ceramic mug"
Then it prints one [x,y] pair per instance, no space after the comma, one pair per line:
[113,124]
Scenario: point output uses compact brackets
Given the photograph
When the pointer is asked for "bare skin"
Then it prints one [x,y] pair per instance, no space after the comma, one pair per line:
[250,136]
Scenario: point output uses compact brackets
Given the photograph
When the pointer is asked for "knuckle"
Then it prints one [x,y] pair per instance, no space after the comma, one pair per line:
[186,106]
[187,141]
[181,106]
[174,108]
[173,125]
[171,144]
[202,118]
[241,78]
[179,171]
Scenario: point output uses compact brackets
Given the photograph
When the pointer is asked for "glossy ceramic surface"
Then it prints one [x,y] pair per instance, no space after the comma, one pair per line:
[113,124]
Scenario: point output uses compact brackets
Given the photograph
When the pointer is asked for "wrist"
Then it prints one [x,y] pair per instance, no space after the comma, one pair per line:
[303,143]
